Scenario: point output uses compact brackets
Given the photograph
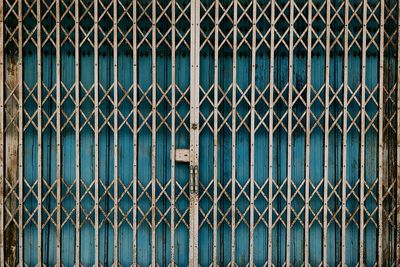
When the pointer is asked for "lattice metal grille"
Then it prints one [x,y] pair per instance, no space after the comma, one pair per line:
[285,114]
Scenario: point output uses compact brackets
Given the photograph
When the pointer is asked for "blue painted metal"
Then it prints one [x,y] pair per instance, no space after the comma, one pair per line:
[163,162]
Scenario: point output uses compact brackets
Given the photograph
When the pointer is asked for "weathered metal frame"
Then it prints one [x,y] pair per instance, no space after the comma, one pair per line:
[2,131]
[387,121]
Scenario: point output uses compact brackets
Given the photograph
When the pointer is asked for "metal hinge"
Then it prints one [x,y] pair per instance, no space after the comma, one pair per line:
[194,179]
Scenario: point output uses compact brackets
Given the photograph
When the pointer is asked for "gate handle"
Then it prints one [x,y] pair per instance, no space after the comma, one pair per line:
[194,179]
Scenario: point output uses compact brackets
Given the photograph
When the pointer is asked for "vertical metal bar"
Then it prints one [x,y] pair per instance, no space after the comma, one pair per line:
[96,130]
[192,197]
[308,133]
[271,131]
[77,141]
[197,74]
[196,113]
[233,181]
[252,115]
[362,137]
[397,263]
[153,130]
[173,111]
[193,82]
[194,129]
[380,131]
[58,133]
[135,154]
[115,130]
[344,131]
[289,136]
[2,158]
[39,129]
[326,133]
[20,141]
[215,133]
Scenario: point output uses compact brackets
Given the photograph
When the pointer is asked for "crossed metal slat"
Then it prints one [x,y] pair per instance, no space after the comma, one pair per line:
[40,107]
[326,113]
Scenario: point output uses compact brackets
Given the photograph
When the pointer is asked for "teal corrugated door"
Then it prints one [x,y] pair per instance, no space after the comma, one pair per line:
[199,133]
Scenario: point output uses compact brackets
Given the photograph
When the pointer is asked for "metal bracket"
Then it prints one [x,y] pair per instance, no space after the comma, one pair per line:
[194,179]
[181,155]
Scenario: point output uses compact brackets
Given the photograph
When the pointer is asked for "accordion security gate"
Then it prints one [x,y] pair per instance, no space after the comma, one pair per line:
[199,132]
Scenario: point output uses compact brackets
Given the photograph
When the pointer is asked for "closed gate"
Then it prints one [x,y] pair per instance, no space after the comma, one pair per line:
[199,132]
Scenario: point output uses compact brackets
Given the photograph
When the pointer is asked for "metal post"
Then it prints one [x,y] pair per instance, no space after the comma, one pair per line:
[194,130]
[326,133]
[380,131]
[173,129]
[344,132]
[271,132]
[252,126]
[96,130]
[215,134]
[135,130]
[153,130]
[2,158]
[77,140]
[362,133]
[115,128]
[397,263]
[233,166]
[289,136]
[39,130]
[308,134]
[20,140]
[58,132]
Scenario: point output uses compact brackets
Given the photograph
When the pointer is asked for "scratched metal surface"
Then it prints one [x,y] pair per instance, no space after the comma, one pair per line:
[289,109]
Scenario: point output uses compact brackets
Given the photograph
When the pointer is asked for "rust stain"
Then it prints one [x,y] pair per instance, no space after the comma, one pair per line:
[11,158]
[389,166]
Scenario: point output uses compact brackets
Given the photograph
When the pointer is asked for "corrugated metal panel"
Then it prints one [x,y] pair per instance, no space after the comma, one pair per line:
[211,132]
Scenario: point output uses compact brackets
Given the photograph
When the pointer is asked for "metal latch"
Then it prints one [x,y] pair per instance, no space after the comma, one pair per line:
[181,155]
[194,179]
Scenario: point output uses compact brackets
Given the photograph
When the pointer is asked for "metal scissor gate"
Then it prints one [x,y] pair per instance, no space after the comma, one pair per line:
[199,132]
